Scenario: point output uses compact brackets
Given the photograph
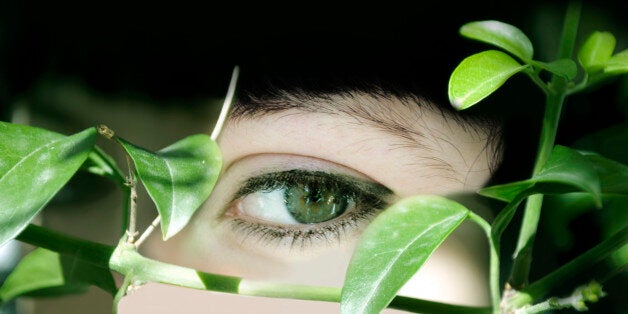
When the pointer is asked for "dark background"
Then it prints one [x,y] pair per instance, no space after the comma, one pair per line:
[174,50]
[170,53]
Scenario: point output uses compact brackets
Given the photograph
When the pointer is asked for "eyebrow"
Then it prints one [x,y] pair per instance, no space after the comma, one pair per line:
[373,108]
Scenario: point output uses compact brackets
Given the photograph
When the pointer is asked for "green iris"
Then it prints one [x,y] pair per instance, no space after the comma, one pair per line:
[313,203]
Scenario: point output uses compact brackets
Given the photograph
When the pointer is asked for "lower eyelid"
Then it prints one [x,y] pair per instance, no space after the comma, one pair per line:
[291,237]
[263,238]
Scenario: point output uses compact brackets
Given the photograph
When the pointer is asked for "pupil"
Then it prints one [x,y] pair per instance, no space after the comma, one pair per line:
[313,203]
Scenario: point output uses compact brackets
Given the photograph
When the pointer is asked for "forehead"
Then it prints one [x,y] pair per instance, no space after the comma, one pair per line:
[408,137]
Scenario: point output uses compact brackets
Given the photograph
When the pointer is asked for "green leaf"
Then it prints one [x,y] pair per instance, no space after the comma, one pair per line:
[100,163]
[479,75]
[613,175]
[47,273]
[502,35]
[565,68]
[34,165]
[178,178]
[393,247]
[566,170]
[617,64]
[613,219]
[596,51]
[564,208]
[609,142]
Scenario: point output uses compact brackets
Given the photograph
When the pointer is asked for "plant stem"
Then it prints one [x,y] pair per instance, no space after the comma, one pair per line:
[128,262]
[91,252]
[541,287]
[107,166]
[148,231]
[226,106]
[553,107]
[132,184]
[586,293]
[126,196]
[494,244]
[121,293]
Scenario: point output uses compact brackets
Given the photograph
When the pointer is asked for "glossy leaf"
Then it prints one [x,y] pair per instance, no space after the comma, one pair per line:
[47,273]
[565,171]
[565,68]
[34,165]
[178,178]
[479,75]
[596,51]
[505,36]
[393,247]
[617,64]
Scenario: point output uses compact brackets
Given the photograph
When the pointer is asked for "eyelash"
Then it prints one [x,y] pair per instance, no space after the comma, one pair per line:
[369,198]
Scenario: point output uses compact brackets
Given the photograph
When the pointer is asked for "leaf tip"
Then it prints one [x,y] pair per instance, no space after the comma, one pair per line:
[457,104]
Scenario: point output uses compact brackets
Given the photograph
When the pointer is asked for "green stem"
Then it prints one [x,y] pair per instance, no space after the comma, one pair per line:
[128,262]
[590,292]
[126,196]
[91,252]
[553,107]
[121,293]
[544,285]
[127,259]
[494,243]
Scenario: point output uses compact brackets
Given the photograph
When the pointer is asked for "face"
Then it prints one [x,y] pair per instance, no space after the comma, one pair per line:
[303,175]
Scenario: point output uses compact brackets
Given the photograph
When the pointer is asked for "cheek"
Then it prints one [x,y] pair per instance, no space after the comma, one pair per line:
[454,273]
[212,252]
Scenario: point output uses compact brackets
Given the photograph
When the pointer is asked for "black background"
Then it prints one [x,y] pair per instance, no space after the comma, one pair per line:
[176,51]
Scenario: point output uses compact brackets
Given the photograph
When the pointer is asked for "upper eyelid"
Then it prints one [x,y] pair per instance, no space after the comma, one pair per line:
[274,179]
[370,198]
[300,157]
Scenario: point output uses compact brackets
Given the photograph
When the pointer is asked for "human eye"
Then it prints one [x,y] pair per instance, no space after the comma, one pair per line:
[302,207]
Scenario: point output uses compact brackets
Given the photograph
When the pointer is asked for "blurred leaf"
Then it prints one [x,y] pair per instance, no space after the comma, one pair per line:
[617,64]
[178,178]
[102,164]
[609,142]
[479,75]
[613,175]
[565,68]
[596,51]
[505,36]
[47,273]
[393,247]
[566,170]
[561,210]
[613,219]
[34,165]
[564,208]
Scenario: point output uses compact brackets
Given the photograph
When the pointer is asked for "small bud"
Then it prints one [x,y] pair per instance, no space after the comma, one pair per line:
[106,131]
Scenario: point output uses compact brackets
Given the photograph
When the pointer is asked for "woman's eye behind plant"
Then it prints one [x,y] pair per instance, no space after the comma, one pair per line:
[302,205]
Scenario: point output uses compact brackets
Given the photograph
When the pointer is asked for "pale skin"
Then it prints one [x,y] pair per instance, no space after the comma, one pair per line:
[401,146]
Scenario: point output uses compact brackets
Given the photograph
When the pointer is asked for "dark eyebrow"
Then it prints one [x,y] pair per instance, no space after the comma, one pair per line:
[349,103]
[372,107]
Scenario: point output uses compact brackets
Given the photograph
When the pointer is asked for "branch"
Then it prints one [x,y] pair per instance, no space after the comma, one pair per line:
[125,260]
